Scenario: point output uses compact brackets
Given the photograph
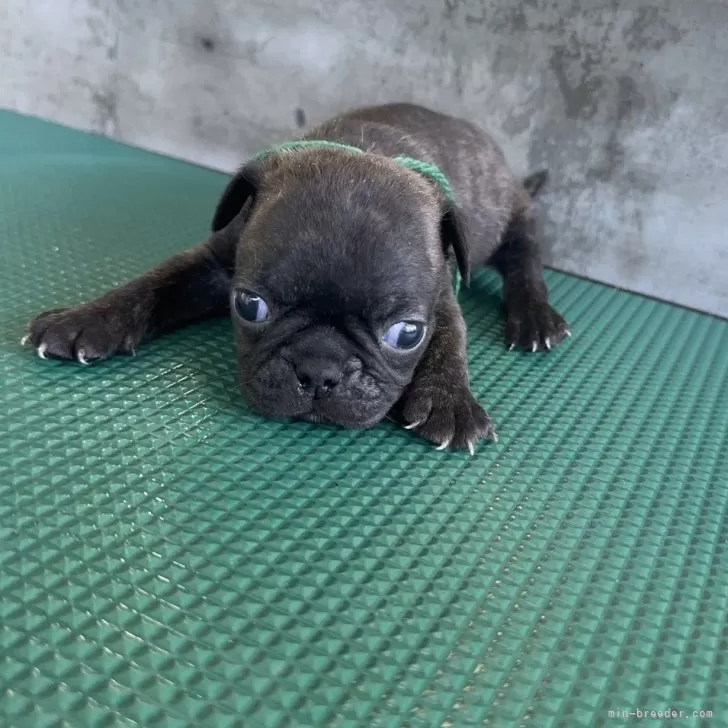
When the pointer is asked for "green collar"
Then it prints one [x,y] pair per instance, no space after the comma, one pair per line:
[416,165]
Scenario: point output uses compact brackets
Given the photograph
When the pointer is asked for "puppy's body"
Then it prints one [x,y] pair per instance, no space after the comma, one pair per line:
[486,191]
[339,269]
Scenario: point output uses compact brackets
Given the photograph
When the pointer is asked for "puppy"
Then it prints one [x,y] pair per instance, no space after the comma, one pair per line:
[337,267]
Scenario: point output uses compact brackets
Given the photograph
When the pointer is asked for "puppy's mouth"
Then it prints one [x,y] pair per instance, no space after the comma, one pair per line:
[351,415]
[321,418]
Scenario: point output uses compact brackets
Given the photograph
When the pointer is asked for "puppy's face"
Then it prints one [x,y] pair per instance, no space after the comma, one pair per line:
[340,264]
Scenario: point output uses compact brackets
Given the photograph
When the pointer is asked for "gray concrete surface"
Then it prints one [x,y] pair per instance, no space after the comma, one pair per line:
[625,102]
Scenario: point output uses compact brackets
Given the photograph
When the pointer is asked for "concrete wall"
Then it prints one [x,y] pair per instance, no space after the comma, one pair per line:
[625,102]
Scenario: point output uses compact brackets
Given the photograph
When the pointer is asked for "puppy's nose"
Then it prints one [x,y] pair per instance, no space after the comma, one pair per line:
[319,376]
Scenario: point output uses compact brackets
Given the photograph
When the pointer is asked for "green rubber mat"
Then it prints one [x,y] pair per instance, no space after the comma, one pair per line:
[168,559]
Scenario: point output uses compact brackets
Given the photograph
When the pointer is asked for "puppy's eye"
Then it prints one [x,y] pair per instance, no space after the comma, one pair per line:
[251,307]
[404,335]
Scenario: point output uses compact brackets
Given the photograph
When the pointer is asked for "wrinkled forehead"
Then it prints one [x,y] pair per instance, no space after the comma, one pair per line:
[343,248]
[333,277]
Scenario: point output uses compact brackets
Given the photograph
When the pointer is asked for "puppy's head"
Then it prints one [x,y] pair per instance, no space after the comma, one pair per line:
[341,260]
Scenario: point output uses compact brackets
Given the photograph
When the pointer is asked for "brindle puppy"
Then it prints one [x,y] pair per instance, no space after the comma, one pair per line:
[337,268]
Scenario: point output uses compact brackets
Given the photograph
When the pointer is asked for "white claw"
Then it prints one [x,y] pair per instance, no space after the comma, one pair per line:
[25,340]
[568,333]
[547,342]
[42,351]
[471,447]
[444,445]
[534,346]
[412,425]
[512,346]
[495,436]
[82,357]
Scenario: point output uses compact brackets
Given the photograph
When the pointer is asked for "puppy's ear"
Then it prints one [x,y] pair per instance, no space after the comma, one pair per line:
[454,235]
[241,189]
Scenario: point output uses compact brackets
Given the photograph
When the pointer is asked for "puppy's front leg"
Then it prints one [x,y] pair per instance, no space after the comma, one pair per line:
[188,287]
[438,403]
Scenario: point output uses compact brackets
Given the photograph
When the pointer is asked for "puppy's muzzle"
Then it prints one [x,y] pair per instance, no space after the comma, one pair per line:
[319,375]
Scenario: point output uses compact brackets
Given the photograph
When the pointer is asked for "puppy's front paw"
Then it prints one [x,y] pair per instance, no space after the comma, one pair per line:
[534,326]
[83,333]
[447,415]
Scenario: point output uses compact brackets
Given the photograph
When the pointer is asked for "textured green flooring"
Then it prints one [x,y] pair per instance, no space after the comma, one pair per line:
[169,559]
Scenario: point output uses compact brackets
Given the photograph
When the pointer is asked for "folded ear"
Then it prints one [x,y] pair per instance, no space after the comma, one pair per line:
[241,189]
[454,235]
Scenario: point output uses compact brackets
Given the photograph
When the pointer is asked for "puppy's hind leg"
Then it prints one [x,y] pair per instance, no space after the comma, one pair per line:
[531,323]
